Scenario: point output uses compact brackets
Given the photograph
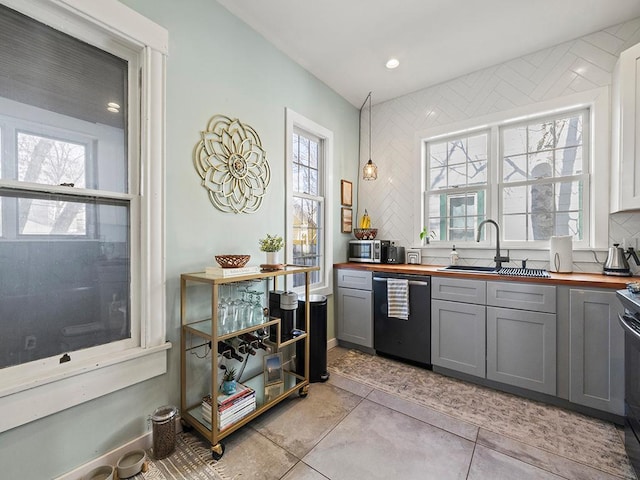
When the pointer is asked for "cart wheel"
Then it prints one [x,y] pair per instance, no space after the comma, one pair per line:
[304,391]
[217,451]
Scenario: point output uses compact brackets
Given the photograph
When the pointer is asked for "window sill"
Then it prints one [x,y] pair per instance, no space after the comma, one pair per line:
[38,397]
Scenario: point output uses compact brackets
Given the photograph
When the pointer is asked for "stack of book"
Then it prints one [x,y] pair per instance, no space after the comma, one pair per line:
[231,408]
[232,272]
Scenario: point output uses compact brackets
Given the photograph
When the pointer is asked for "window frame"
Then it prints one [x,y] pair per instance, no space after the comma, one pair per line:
[585,177]
[48,386]
[295,121]
[597,101]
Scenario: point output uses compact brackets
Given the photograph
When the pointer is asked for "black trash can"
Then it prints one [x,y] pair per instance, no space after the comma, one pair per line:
[317,338]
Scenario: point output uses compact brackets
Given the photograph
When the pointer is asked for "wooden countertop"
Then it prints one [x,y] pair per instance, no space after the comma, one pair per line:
[586,280]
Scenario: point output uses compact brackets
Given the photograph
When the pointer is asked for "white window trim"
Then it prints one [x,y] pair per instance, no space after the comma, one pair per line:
[34,390]
[598,102]
[293,119]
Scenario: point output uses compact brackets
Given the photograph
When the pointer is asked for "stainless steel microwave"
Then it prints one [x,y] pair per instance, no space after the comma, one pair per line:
[368,251]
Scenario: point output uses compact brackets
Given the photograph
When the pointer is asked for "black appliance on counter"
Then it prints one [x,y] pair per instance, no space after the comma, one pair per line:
[630,322]
[395,254]
[405,339]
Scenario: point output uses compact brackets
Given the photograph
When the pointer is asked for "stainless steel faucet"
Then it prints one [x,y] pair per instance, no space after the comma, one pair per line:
[498,258]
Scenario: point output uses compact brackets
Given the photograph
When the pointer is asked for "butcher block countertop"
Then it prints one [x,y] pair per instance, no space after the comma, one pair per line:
[585,280]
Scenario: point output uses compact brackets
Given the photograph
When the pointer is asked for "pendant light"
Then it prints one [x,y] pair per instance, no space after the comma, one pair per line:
[370,170]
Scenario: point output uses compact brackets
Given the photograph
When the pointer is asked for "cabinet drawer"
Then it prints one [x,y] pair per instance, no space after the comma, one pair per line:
[360,279]
[459,290]
[523,296]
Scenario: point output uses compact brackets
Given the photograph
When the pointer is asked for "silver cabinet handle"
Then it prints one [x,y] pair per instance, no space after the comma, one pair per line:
[411,282]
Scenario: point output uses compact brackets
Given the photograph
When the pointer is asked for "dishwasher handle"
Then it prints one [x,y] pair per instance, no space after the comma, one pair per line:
[411,282]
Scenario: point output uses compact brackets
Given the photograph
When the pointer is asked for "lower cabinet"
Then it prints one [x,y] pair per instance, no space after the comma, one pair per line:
[501,331]
[596,350]
[355,311]
[521,348]
[354,307]
[458,340]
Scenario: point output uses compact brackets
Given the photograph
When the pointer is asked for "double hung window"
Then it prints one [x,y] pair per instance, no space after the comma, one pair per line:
[309,154]
[532,175]
[82,306]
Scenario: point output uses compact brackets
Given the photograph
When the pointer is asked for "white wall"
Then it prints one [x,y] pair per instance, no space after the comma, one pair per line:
[216,65]
[576,66]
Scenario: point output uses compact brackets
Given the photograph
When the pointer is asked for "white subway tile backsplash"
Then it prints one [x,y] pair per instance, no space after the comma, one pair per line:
[567,68]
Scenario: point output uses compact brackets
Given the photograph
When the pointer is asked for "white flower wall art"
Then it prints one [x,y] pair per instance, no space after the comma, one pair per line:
[232,165]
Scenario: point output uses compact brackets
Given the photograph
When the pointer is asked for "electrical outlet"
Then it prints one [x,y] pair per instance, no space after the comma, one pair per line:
[29,342]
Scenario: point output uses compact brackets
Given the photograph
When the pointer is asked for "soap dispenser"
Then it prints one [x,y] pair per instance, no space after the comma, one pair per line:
[453,256]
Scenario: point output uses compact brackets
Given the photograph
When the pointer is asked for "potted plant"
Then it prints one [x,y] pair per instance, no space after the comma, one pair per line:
[229,381]
[425,236]
[271,245]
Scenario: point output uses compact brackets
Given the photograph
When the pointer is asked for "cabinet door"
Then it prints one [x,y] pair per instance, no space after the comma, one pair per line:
[625,181]
[596,351]
[458,336]
[521,348]
[355,316]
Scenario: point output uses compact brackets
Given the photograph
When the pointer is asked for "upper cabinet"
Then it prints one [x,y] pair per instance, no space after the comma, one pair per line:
[625,179]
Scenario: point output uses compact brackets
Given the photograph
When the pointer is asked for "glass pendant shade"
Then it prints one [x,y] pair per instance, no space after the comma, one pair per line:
[370,171]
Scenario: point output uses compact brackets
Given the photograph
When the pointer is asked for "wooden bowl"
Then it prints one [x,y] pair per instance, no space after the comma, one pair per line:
[365,233]
[232,261]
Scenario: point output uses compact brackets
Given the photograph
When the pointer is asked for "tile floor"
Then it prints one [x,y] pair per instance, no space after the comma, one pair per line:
[345,430]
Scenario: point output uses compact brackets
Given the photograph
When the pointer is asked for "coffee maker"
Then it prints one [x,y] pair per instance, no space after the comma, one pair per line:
[283,305]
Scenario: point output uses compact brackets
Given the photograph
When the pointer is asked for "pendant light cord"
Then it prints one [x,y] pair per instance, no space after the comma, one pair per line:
[368,99]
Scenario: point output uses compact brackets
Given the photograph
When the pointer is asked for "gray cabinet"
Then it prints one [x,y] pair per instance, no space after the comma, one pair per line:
[354,307]
[596,350]
[458,339]
[521,335]
[521,348]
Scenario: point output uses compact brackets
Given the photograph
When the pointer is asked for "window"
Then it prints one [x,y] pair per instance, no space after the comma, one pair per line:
[457,179]
[545,177]
[73,250]
[535,175]
[308,236]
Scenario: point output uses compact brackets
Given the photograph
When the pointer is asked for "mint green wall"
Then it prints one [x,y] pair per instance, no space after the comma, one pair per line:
[216,65]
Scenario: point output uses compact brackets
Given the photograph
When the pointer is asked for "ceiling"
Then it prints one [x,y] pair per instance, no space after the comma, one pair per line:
[346,43]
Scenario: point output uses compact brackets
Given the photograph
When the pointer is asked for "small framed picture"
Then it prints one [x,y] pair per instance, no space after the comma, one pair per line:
[273,368]
[346,218]
[271,392]
[346,193]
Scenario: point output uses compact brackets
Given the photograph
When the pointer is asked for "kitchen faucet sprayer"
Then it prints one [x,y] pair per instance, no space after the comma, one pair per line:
[498,258]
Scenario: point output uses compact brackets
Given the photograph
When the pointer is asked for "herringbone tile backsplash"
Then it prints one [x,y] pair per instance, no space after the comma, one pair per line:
[576,66]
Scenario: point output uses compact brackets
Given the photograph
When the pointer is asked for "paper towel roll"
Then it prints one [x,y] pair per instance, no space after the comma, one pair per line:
[561,254]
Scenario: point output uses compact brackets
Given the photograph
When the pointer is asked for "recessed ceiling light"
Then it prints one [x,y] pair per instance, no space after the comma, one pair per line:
[113,109]
[392,63]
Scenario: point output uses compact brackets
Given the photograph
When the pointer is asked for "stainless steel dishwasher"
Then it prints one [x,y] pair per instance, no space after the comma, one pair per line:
[405,339]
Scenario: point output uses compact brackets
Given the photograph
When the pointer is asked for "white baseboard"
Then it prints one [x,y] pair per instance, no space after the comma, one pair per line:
[332,343]
[143,442]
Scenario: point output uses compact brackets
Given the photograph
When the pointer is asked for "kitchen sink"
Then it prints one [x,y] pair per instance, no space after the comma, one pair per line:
[505,271]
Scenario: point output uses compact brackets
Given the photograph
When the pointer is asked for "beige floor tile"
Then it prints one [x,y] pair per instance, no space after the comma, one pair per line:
[298,424]
[374,442]
[488,464]
[249,455]
[547,461]
[349,385]
[427,415]
[302,471]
